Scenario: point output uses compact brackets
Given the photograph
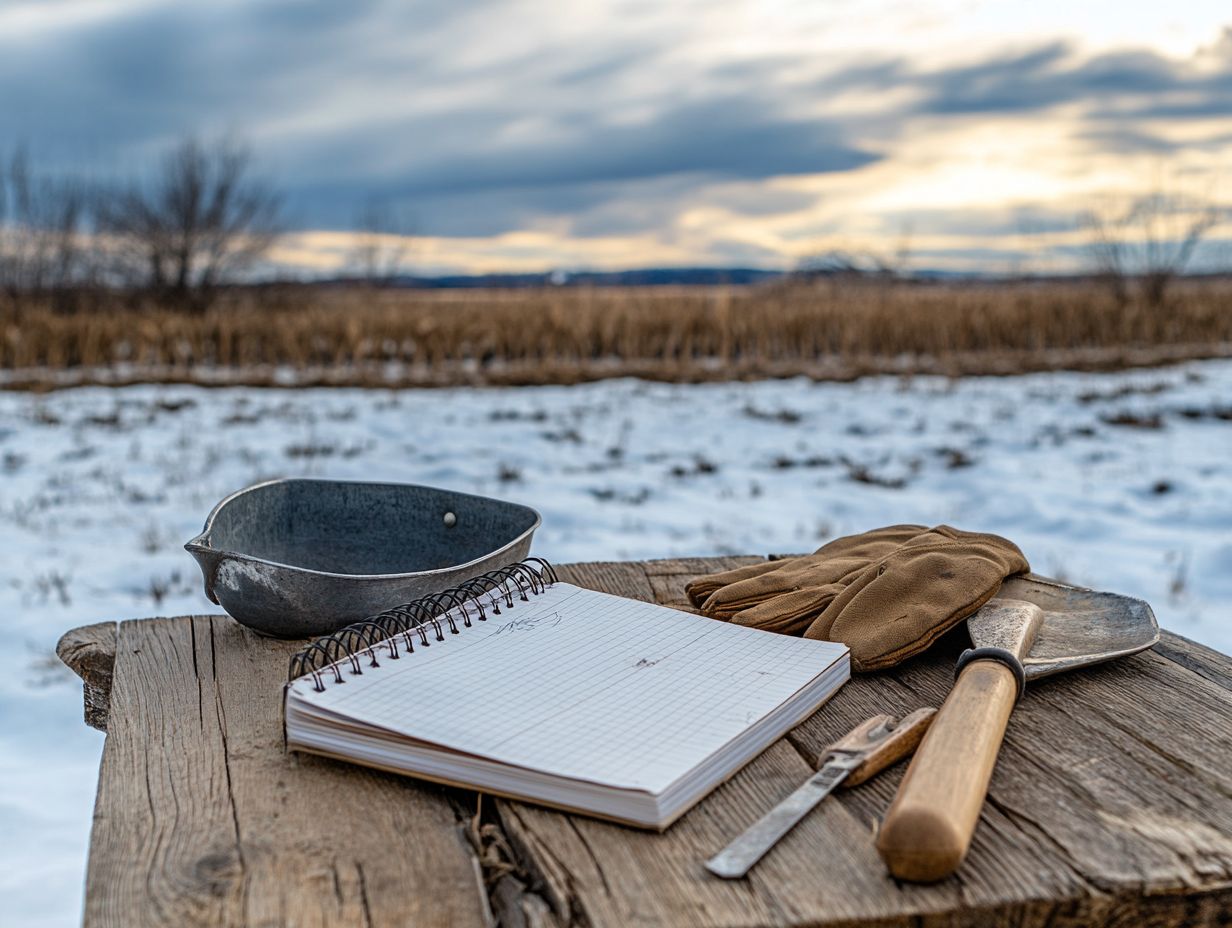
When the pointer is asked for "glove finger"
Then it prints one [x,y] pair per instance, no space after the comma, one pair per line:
[801,574]
[788,614]
[826,565]
[700,588]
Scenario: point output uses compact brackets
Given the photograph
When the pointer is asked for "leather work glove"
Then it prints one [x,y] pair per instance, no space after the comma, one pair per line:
[887,594]
[786,596]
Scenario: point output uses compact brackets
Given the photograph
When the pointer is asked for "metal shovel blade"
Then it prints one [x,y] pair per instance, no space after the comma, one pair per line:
[1076,626]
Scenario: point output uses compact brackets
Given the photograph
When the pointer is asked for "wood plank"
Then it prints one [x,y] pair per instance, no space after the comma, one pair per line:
[690,567]
[203,819]
[627,577]
[1205,662]
[89,652]
[163,844]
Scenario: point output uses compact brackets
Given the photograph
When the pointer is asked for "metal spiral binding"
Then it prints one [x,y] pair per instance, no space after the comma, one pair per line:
[425,620]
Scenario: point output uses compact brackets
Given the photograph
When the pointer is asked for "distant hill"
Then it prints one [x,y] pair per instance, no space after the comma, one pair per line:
[638,277]
[642,277]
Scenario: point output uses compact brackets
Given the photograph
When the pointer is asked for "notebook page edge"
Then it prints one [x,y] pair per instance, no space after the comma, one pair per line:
[646,613]
[624,811]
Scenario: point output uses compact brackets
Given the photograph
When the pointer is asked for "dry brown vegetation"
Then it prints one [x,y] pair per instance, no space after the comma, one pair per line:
[825,329]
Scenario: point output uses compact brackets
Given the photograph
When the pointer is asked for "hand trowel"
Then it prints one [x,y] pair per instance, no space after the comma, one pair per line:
[1035,627]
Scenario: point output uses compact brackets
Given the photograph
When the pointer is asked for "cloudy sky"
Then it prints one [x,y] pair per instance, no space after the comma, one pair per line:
[537,134]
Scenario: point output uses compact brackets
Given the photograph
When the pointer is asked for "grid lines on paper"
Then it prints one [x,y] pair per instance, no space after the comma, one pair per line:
[589,685]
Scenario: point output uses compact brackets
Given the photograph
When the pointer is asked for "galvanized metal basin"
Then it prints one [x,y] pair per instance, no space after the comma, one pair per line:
[296,558]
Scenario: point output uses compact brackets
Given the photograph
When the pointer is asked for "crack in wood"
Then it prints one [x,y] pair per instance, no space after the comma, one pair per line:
[149,793]
[220,713]
[192,639]
[594,858]
[801,748]
[365,904]
[562,902]
[1196,658]
[336,880]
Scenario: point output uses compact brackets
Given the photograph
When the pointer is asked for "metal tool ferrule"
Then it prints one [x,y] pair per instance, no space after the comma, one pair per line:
[1008,658]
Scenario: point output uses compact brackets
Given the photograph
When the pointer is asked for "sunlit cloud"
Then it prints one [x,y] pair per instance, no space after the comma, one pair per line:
[533,135]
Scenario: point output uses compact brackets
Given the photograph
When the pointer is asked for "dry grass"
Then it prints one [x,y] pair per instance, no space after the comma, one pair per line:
[564,335]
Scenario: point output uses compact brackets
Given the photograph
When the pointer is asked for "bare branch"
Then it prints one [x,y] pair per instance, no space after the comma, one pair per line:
[205,220]
[43,248]
[1150,241]
[383,242]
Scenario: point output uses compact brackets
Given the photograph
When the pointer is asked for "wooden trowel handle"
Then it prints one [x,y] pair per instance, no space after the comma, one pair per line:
[928,827]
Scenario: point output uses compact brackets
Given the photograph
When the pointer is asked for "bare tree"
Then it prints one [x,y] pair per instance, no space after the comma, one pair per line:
[1151,242]
[838,264]
[202,221]
[1107,249]
[383,242]
[44,249]
[866,265]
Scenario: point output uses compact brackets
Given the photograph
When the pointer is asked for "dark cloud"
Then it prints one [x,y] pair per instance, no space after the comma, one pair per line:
[1116,91]
[1052,74]
[729,137]
[1022,82]
[467,182]
[162,72]
[340,99]
[431,105]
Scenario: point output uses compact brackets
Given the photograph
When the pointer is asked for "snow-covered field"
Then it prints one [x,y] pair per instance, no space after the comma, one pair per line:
[1120,481]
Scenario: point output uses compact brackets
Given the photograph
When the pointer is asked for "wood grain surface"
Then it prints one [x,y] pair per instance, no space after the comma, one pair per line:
[203,819]
[1111,804]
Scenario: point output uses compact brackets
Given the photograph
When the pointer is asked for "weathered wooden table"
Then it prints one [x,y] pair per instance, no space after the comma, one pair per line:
[1111,805]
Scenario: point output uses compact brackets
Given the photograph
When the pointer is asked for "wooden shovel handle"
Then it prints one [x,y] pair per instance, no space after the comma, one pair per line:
[928,827]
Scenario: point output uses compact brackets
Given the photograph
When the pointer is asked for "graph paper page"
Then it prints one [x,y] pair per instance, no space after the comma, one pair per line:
[582,684]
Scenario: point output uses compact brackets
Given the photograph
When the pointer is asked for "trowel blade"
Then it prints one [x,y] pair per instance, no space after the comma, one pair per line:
[1075,626]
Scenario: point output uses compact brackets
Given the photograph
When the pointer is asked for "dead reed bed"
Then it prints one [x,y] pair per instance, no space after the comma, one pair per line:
[825,329]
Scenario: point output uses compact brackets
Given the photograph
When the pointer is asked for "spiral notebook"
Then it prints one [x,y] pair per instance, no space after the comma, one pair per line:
[523,686]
